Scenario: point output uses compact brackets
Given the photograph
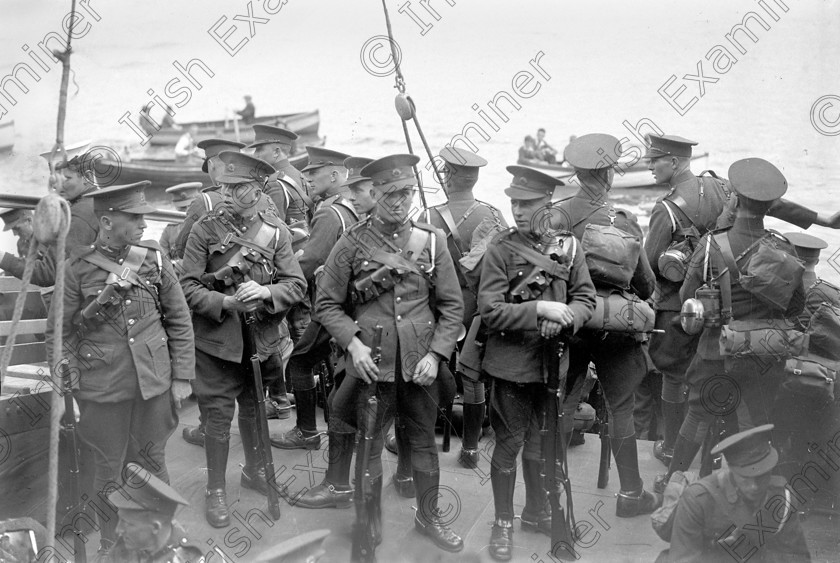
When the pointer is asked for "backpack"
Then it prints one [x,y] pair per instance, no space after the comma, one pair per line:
[611,254]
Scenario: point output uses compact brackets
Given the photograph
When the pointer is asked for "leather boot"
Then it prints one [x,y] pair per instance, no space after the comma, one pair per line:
[278,405]
[403,480]
[501,538]
[535,516]
[194,435]
[473,418]
[684,452]
[253,474]
[215,500]
[428,519]
[672,419]
[633,500]
[335,490]
[305,435]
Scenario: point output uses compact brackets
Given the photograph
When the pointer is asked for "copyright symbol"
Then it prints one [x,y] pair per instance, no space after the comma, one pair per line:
[820,121]
[448,504]
[720,395]
[103,164]
[377,58]
[5,446]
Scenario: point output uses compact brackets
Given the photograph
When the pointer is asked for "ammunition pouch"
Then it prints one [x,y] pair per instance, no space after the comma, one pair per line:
[379,282]
[222,278]
[811,376]
[530,287]
[775,339]
[621,311]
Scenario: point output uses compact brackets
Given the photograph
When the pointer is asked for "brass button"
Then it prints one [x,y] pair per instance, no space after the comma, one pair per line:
[131,341]
[128,301]
[130,322]
[120,261]
[399,299]
[399,317]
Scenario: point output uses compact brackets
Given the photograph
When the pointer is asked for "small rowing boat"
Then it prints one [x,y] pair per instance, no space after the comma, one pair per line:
[304,124]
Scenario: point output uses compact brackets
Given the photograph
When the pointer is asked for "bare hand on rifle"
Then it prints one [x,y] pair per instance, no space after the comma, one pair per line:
[556,312]
[362,360]
[426,371]
[181,389]
[550,329]
[252,291]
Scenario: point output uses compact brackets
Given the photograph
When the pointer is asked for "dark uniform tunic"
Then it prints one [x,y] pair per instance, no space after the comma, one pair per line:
[422,313]
[206,201]
[757,380]
[287,189]
[178,549]
[723,526]
[619,358]
[125,359]
[222,363]
[514,347]
[168,237]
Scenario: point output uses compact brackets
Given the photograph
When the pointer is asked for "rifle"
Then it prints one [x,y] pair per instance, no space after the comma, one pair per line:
[262,421]
[557,478]
[70,452]
[364,542]
[603,416]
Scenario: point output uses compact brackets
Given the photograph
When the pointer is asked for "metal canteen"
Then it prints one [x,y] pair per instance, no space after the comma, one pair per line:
[672,265]
[691,316]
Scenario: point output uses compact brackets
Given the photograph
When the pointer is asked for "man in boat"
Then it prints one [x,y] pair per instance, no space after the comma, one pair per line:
[334,214]
[398,275]
[185,148]
[182,196]
[521,332]
[248,112]
[133,354]
[618,355]
[690,209]
[19,221]
[544,151]
[78,179]
[226,278]
[528,150]
[147,529]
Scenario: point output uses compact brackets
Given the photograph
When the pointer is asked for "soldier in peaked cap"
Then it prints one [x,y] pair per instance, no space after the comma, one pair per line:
[808,249]
[533,285]
[147,531]
[740,511]
[129,361]
[209,197]
[19,221]
[286,187]
[618,356]
[399,275]
[334,214]
[693,206]
[182,196]
[238,261]
[361,192]
[758,184]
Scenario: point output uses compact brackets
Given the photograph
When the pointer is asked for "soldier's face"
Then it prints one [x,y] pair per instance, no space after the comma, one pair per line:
[139,529]
[663,169]
[525,211]
[269,152]
[363,196]
[460,179]
[752,488]
[395,206]
[323,178]
[74,184]
[123,228]
[23,229]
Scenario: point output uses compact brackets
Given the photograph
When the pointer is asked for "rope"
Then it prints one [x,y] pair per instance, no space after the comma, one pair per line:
[29,267]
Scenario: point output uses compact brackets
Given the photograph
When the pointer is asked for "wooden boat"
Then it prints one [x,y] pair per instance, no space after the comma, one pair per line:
[7,136]
[166,172]
[628,175]
[304,124]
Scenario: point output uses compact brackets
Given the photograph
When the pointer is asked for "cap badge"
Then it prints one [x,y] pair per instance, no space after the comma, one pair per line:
[230,167]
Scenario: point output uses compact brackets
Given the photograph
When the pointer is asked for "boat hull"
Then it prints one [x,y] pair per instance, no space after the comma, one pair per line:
[7,136]
[305,124]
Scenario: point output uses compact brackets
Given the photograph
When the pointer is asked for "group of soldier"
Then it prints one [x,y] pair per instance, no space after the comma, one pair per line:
[296,267]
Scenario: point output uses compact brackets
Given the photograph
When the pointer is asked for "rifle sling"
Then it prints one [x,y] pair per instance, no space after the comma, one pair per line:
[541,261]
[408,259]
[124,274]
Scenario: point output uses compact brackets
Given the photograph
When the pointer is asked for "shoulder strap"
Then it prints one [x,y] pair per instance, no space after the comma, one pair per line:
[124,274]
[590,215]
[671,215]
[411,253]
[208,202]
[340,216]
[492,209]
[451,226]
[545,263]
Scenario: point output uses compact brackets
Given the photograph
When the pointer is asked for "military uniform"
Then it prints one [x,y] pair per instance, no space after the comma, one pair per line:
[757,379]
[182,196]
[127,354]
[619,357]
[222,362]
[420,269]
[11,219]
[144,495]
[715,521]
[516,352]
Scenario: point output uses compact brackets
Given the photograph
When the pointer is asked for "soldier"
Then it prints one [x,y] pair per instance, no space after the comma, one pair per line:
[618,356]
[204,203]
[133,353]
[182,196]
[689,210]
[79,179]
[238,263]
[460,174]
[19,221]
[808,249]
[335,490]
[148,532]
[740,511]
[209,196]
[286,187]
[519,327]
[334,214]
[392,270]
[758,185]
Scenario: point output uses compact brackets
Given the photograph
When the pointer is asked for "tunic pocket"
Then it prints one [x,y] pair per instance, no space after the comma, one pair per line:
[159,354]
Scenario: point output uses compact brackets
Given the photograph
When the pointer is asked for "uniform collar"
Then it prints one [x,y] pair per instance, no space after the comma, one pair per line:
[684,176]
[461,196]
[112,252]
[749,224]
[387,229]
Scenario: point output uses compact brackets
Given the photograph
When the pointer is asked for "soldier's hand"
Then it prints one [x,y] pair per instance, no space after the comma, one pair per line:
[550,329]
[426,371]
[231,303]
[362,360]
[830,221]
[251,291]
[181,389]
[555,311]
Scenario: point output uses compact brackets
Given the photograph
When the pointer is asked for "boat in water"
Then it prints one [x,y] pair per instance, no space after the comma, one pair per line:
[629,174]
[7,137]
[304,124]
